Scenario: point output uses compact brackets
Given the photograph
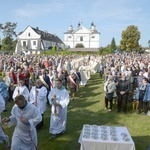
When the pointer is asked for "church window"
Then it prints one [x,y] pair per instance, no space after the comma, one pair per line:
[28,34]
[34,42]
[81,38]
[24,43]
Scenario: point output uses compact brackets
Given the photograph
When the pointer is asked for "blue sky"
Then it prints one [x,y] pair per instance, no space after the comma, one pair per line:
[110,17]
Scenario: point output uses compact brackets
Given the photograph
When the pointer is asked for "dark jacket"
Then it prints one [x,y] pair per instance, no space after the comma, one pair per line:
[123,86]
[78,76]
[47,80]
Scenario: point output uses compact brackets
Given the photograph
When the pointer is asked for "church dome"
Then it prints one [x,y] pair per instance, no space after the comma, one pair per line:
[70,28]
[93,27]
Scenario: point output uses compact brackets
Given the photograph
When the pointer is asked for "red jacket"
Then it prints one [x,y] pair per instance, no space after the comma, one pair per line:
[13,75]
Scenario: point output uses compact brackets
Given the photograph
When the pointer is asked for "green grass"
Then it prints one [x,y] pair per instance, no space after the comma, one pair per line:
[87,108]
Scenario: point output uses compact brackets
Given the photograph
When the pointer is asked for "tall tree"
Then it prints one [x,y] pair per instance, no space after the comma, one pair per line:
[1,26]
[113,44]
[149,43]
[130,39]
[7,44]
[8,29]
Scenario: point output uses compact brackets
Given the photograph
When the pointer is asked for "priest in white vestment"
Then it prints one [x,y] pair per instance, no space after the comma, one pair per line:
[38,98]
[84,76]
[59,99]
[21,89]
[26,116]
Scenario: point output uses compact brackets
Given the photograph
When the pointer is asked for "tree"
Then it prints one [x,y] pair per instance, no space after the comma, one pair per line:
[8,44]
[105,50]
[1,26]
[101,49]
[149,43]
[130,39]
[54,49]
[113,44]
[8,29]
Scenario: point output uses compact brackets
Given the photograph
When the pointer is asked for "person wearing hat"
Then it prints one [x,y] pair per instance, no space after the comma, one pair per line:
[109,89]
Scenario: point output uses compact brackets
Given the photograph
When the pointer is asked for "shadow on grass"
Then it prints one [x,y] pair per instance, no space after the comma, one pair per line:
[87,109]
[141,142]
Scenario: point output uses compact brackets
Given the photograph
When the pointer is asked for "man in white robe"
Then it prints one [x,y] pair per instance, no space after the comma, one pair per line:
[59,99]
[3,137]
[26,116]
[84,75]
[38,98]
[21,89]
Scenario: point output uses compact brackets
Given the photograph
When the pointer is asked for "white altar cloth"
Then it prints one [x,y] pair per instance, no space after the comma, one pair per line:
[95,137]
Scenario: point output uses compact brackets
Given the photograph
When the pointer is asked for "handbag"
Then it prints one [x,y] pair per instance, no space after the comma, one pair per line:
[109,95]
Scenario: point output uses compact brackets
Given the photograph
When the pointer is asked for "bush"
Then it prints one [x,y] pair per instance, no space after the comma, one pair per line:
[54,49]
[79,45]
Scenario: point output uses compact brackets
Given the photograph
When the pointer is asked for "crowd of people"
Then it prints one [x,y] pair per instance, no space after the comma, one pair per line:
[34,81]
[127,78]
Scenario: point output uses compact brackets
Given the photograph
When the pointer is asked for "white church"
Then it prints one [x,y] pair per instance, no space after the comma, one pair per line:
[89,38]
[33,41]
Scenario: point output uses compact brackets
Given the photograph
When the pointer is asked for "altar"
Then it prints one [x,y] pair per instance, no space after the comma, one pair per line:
[95,137]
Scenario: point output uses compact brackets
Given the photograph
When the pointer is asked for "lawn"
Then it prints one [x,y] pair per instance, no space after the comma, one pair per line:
[88,108]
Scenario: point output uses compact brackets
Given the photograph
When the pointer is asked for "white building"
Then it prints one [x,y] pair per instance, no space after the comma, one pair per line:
[32,40]
[88,38]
